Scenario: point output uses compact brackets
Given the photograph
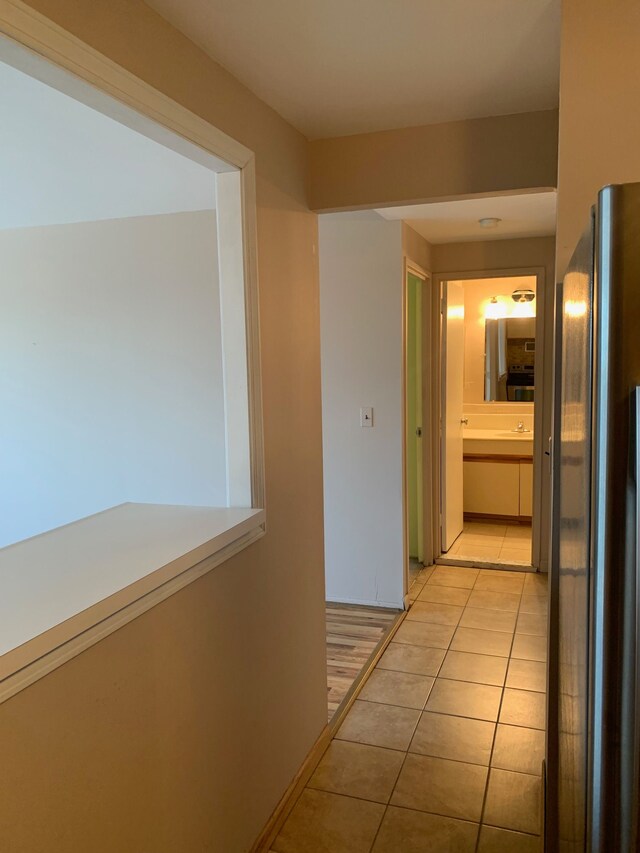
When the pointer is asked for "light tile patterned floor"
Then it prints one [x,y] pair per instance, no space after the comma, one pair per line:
[442,750]
[499,543]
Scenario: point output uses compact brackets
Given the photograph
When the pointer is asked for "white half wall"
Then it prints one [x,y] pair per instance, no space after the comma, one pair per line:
[361,268]
[111,369]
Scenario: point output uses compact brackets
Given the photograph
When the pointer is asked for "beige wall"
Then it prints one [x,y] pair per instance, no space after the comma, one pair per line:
[495,255]
[181,731]
[487,155]
[415,248]
[513,255]
[599,117]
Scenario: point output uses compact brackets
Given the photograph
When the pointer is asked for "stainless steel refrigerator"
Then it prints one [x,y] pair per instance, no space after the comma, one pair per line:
[593,750]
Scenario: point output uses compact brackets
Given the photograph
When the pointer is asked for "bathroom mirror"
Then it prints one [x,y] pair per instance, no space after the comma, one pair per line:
[509,359]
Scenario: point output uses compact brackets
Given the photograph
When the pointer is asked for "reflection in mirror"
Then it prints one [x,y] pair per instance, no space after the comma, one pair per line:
[509,359]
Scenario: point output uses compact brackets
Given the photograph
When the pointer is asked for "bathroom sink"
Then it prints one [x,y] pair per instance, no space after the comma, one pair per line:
[497,434]
[503,442]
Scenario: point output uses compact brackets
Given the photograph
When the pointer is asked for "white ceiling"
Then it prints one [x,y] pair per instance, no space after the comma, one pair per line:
[62,162]
[337,67]
[526,215]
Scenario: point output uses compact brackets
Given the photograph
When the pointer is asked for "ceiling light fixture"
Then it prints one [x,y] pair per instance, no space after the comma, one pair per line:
[489,222]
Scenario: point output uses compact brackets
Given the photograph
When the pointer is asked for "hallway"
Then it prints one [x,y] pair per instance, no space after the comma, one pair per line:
[442,750]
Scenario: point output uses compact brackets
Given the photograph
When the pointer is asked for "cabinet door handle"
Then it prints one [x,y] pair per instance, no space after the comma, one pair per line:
[464,421]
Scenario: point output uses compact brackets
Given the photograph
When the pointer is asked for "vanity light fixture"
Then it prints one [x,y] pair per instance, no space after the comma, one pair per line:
[523,295]
[494,310]
[489,222]
[524,303]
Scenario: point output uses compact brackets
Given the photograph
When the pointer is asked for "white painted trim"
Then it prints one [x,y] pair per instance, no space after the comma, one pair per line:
[367,602]
[36,32]
[69,649]
[252,312]
[404,402]
[413,268]
[233,326]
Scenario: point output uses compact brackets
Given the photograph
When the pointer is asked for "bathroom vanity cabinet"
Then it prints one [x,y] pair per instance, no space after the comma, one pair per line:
[498,486]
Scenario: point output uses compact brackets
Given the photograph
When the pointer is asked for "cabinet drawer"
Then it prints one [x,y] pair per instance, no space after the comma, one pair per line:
[492,487]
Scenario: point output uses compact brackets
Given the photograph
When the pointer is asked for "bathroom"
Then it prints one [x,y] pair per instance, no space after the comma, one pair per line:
[488,375]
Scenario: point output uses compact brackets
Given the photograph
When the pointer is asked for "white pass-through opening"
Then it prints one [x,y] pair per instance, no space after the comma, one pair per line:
[73,612]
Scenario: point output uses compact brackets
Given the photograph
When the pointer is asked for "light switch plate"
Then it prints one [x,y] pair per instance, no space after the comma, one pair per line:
[366,416]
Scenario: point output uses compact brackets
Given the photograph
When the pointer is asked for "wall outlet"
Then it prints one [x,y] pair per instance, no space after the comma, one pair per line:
[366,416]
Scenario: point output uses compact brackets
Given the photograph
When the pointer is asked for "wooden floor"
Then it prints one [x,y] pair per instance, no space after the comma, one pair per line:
[353,634]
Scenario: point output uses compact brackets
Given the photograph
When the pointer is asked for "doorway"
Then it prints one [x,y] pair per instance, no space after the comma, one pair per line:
[418,369]
[489,449]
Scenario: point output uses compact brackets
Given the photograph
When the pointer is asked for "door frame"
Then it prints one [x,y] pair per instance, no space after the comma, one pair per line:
[539,441]
[410,267]
[442,404]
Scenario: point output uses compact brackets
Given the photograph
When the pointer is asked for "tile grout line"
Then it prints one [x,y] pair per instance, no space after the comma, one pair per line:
[504,539]
[421,711]
[495,733]
[406,752]
[446,714]
[466,820]
[495,730]
[384,814]
[486,786]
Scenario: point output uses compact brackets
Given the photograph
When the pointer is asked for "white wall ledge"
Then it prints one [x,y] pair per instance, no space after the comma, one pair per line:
[66,589]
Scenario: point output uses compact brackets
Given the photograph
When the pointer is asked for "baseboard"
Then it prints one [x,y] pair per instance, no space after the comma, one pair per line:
[502,519]
[282,810]
[290,796]
[364,602]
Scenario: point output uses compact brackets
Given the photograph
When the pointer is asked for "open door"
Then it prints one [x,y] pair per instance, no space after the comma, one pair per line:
[452,412]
